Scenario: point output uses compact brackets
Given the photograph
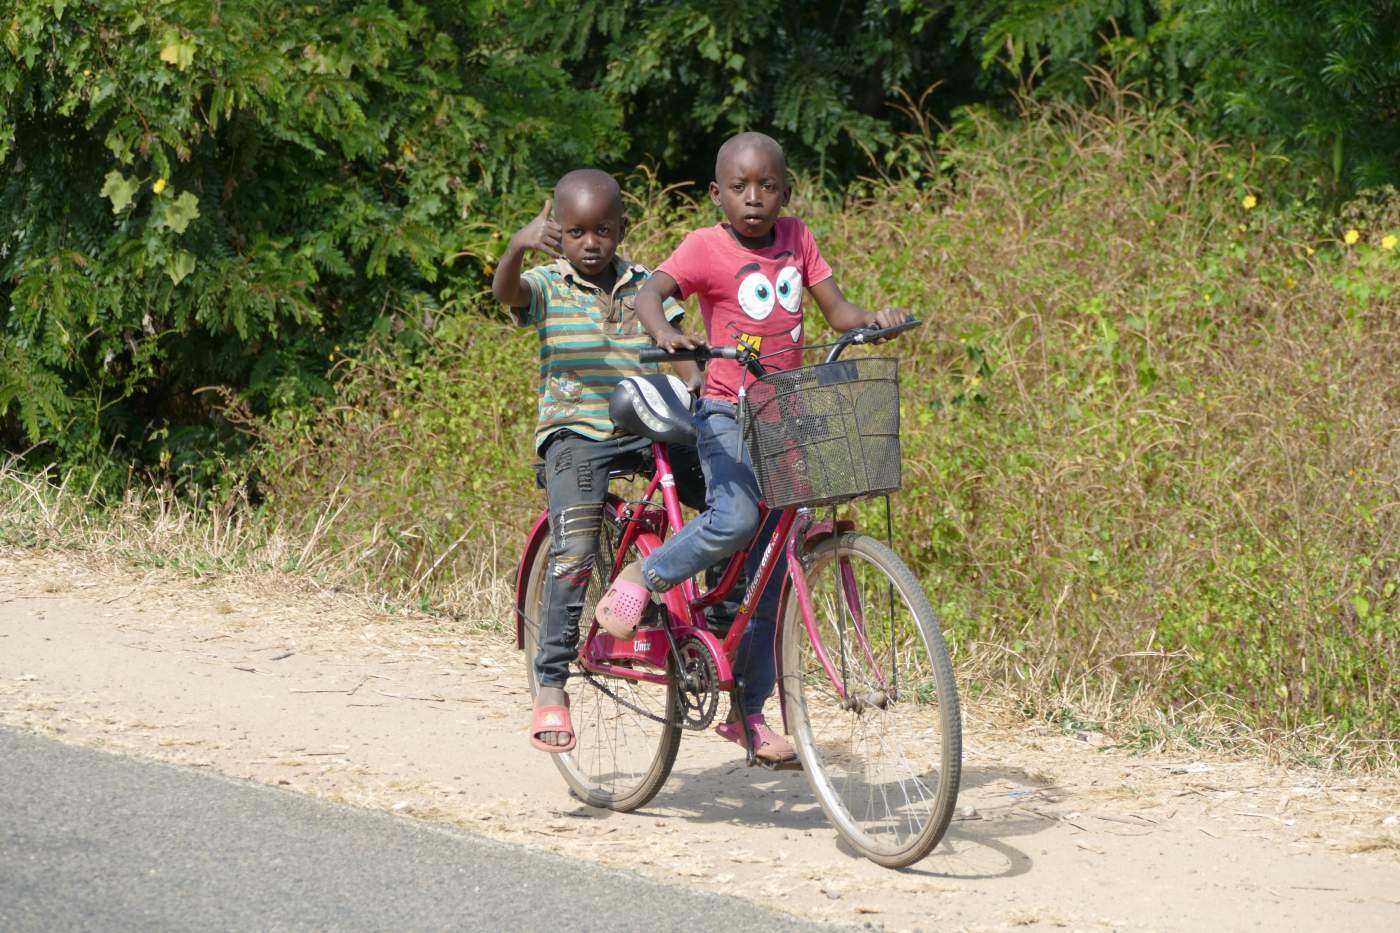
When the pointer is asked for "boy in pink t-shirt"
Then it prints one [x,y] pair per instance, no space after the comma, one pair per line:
[749,273]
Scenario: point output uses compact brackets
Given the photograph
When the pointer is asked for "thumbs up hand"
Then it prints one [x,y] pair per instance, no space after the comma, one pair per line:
[542,233]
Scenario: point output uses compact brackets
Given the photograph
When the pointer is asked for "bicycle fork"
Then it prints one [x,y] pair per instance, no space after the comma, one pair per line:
[848,597]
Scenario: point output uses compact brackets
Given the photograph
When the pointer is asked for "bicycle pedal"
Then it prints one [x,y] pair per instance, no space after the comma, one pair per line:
[787,764]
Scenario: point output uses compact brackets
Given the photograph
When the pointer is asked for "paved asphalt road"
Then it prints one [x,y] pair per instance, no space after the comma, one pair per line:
[92,841]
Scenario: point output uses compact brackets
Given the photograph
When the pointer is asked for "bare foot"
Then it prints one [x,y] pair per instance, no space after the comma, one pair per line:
[552,696]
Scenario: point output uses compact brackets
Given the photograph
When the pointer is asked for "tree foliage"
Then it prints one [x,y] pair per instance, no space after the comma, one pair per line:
[817,74]
[200,193]
[1319,79]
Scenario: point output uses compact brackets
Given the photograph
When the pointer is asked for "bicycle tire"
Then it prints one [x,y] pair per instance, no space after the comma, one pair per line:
[879,799]
[621,758]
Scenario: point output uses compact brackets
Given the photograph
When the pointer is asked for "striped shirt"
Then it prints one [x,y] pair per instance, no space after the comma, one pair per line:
[588,343]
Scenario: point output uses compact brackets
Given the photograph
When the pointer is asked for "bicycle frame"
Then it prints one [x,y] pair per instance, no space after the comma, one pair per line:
[600,652]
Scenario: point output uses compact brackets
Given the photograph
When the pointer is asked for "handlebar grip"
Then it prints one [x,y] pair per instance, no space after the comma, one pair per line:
[867,335]
[700,355]
[900,328]
[881,333]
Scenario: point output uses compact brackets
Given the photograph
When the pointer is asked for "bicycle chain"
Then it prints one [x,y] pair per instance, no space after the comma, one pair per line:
[638,512]
[593,679]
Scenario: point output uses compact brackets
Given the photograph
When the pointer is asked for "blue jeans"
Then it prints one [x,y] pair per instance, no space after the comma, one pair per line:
[728,523]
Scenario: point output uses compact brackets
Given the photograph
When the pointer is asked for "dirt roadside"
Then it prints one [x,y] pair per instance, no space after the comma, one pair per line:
[272,680]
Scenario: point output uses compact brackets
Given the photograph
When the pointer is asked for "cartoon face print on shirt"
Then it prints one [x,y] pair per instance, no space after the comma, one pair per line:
[760,297]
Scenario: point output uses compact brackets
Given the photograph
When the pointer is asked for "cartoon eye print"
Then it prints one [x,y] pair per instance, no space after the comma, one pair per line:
[756,296]
[789,288]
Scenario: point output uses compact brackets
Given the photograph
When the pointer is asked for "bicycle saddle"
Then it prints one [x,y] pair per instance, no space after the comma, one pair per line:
[656,406]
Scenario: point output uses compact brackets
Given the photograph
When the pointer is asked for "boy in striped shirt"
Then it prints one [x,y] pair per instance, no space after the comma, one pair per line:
[583,305]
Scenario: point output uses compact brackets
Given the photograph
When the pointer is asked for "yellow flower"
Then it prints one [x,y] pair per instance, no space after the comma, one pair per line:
[1388,242]
[1249,202]
[1352,236]
[406,150]
[159,186]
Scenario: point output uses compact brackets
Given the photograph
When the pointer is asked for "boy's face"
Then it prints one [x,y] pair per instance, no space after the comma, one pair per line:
[751,188]
[593,227]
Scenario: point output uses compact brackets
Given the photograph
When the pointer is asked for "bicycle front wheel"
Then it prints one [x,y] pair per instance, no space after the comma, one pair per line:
[871,701]
[627,732]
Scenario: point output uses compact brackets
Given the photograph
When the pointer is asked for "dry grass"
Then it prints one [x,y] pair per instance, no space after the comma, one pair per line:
[1155,457]
[152,527]
[1381,843]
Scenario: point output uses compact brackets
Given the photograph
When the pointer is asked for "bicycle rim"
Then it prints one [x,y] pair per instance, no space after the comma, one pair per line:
[626,737]
[885,761]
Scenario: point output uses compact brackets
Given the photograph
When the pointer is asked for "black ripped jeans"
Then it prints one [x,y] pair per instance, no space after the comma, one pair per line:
[576,483]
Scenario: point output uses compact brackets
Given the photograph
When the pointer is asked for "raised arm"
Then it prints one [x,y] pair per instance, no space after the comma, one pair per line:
[843,314]
[542,234]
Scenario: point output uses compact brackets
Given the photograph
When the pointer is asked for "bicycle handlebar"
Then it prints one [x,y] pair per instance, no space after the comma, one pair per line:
[749,358]
[868,335]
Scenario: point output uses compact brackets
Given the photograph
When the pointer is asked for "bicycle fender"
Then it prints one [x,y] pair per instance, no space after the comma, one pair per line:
[537,539]
[820,531]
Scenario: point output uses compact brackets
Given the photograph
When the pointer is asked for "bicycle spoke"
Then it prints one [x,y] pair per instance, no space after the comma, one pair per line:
[625,734]
[865,752]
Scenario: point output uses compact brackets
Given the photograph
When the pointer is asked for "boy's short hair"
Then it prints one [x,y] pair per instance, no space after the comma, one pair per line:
[741,142]
[591,180]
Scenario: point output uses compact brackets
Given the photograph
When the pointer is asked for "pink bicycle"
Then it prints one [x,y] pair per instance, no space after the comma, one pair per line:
[865,684]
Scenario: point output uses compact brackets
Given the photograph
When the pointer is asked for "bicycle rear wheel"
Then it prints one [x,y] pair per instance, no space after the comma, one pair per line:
[877,726]
[627,731]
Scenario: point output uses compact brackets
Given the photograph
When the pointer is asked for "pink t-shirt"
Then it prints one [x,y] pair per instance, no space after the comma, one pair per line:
[751,296]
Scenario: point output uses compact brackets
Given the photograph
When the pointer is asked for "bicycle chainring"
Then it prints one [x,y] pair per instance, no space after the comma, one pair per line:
[697,684]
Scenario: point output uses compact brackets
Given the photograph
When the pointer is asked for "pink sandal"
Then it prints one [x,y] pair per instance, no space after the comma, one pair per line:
[767,744]
[552,719]
[621,609]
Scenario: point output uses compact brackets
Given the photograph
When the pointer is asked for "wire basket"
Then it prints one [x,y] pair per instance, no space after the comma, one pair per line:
[825,433]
